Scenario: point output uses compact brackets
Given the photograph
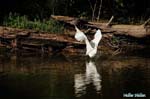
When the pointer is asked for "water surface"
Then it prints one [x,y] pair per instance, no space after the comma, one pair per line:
[73,76]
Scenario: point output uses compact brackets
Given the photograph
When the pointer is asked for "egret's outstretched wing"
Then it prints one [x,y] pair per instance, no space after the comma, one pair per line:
[91,47]
[97,37]
[79,36]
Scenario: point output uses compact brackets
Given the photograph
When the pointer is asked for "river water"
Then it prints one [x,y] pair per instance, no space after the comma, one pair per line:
[34,76]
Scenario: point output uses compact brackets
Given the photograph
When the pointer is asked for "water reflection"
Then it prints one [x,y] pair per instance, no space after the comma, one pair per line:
[72,77]
[91,76]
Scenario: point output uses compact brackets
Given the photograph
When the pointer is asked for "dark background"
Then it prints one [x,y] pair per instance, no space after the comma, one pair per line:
[121,9]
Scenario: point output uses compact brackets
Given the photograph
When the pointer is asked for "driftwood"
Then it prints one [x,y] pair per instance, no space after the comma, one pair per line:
[34,40]
[137,31]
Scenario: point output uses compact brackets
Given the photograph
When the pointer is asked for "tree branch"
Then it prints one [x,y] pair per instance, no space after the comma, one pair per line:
[145,23]
[109,22]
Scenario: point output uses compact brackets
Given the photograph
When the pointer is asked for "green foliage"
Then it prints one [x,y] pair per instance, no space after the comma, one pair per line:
[16,21]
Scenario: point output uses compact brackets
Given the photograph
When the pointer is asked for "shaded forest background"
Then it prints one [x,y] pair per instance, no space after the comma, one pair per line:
[124,11]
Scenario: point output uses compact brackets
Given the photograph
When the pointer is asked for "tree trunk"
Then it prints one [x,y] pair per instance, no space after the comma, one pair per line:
[99,11]
[93,9]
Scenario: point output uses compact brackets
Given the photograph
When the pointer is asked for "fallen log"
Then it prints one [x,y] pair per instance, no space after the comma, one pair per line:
[34,40]
[137,31]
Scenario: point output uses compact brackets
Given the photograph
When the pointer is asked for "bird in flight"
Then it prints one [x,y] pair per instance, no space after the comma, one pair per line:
[91,46]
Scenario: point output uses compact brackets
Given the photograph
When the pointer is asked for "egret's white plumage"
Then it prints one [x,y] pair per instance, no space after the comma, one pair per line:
[91,47]
[79,36]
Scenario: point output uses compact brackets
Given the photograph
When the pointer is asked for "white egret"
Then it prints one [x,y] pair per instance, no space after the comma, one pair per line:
[91,47]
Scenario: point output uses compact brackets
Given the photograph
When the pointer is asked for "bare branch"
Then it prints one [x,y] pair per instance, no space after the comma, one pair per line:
[145,23]
[112,17]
